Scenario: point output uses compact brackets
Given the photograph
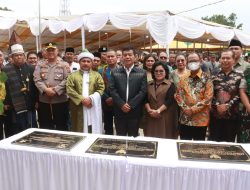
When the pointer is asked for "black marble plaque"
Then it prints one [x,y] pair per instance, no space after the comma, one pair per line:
[212,152]
[123,147]
[49,140]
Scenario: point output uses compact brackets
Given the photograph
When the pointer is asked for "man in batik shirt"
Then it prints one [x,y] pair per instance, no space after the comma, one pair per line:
[224,116]
[194,95]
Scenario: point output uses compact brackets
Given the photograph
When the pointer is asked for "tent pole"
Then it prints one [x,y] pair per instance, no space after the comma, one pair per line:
[37,45]
[99,40]
[83,37]
[64,40]
[144,38]
[150,44]
[130,36]
[39,25]
[107,39]
[167,50]
[9,33]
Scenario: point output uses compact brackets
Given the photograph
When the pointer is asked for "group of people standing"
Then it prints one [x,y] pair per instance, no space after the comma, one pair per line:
[183,97]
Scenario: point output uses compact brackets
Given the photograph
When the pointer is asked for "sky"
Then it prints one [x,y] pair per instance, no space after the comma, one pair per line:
[78,7]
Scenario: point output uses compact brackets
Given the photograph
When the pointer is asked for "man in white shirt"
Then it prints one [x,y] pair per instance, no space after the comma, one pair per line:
[69,58]
[128,88]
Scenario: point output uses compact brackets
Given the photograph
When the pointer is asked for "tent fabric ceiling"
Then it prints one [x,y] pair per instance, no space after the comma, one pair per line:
[116,30]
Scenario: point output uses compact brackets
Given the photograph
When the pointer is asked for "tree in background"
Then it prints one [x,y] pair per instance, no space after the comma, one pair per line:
[222,19]
[4,9]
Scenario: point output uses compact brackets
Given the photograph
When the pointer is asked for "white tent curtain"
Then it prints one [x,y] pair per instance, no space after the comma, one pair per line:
[6,23]
[243,37]
[220,33]
[127,21]
[34,25]
[56,26]
[95,22]
[162,27]
[190,28]
[74,24]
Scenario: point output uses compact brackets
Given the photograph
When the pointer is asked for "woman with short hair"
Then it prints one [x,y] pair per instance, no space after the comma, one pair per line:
[162,117]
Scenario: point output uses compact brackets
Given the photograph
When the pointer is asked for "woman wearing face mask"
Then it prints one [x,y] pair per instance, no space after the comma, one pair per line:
[181,69]
[161,117]
[194,95]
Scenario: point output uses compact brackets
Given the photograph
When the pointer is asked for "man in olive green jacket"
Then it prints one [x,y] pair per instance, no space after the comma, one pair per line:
[81,87]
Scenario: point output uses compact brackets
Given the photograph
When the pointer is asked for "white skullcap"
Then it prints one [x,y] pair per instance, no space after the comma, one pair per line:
[85,55]
[16,49]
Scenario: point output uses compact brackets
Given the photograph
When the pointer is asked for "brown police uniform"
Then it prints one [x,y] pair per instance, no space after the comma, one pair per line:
[52,111]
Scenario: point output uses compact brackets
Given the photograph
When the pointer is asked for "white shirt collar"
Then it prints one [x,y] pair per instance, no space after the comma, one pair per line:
[129,69]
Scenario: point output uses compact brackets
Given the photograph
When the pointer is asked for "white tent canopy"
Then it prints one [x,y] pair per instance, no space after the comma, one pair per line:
[162,26]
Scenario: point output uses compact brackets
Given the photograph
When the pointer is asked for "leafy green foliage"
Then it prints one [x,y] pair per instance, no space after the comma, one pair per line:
[222,19]
[5,9]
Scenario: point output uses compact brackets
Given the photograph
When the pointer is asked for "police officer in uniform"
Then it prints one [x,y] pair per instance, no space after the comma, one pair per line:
[50,79]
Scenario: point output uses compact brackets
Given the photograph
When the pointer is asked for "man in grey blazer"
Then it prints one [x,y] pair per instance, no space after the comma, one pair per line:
[128,88]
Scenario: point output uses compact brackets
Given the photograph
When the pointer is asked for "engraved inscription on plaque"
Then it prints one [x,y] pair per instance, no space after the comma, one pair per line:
[123,147]
[49,140]
[212,152]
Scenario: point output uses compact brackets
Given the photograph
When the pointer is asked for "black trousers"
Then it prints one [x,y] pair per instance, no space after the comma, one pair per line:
[53,116]
[127,126]
[223,129]
[1,126]
[192,132]
[15,123]
[108,119]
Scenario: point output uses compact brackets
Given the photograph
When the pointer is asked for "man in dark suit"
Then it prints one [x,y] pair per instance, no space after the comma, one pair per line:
[128,88]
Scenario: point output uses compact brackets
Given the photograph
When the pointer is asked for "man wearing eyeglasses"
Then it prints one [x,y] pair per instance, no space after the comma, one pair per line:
[164,58]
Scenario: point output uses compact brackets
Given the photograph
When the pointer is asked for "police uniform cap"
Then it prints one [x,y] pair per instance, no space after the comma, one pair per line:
[50,45]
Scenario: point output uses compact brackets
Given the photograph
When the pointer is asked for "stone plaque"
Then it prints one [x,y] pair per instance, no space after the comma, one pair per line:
[212,152]
[123,147]
[49,140]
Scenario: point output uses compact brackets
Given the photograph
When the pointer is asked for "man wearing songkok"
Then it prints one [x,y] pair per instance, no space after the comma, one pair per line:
[85,88]
[69,58]
[20,92]
[240,65]
[50,78]
[194,95]
[103,50]
[96,62]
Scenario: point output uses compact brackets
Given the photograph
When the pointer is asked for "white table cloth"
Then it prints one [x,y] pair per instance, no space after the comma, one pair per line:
[29,168]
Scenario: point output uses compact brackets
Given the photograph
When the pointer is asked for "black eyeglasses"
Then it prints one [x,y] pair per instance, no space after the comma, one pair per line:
[180,60]
[163,57]
[159,71]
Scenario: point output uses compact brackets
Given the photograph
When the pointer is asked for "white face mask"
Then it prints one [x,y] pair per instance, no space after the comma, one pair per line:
[193,66]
